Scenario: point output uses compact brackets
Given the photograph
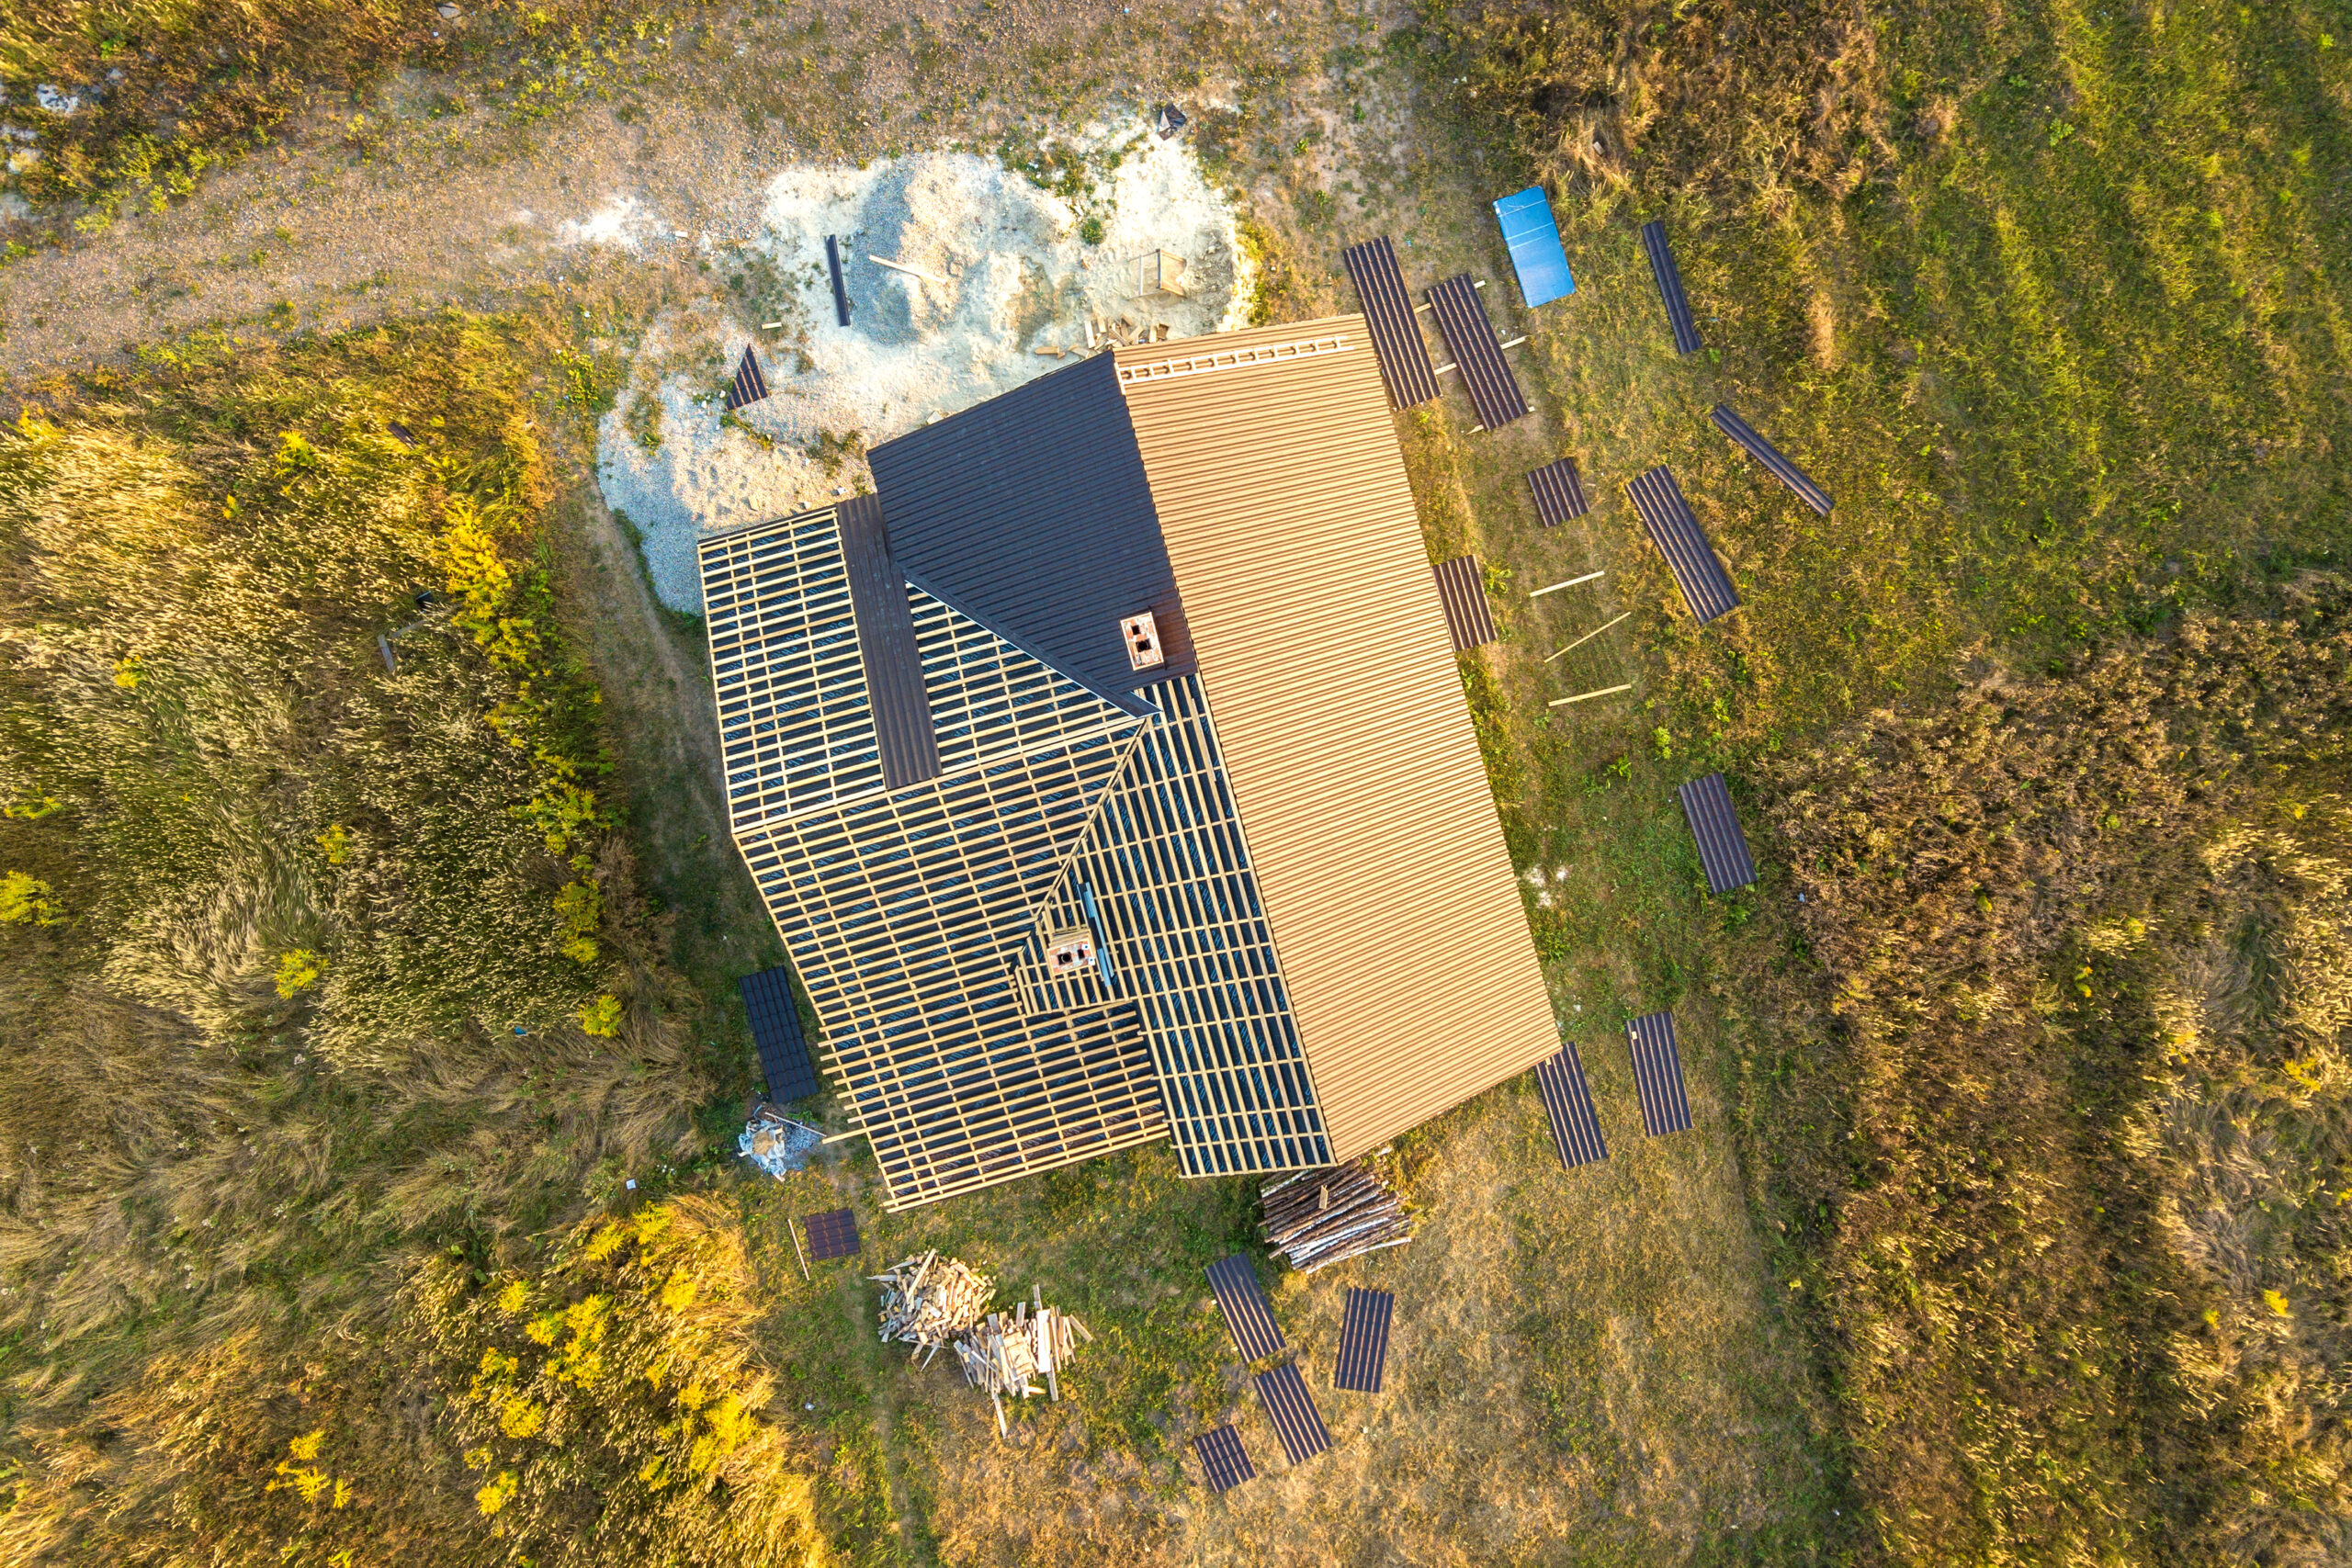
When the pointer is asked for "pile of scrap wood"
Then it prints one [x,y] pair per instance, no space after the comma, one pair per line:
[1319,1217]
[927,1301]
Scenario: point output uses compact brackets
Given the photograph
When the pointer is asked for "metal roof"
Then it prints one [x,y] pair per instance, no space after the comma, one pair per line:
[1403,940]
[1462,589]
[1657,1075]
[886,647]
[1669,287]
[1722,848]
[1291,1410]
[1246,1316]
[1775,463]
[774,1016]
[1031,514]
[1477,352]
[1533,240]
[1706,586]
[1389,316]
[832,1234]
[1364,1342]
[1559,492]
[1567,1105]
[749,385]
[1225,1463]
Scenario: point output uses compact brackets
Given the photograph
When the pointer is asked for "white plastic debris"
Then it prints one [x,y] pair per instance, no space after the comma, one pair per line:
[56,100]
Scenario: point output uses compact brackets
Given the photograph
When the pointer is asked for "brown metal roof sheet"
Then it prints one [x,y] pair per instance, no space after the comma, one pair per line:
[1477,352]
[1462,589]
[1402,936]
[1396,329]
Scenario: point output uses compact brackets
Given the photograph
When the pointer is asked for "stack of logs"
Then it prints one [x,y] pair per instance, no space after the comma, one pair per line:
[927,1302]
[1319,1217]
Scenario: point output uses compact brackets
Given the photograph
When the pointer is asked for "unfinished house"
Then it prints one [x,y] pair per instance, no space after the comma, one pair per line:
[1108,776]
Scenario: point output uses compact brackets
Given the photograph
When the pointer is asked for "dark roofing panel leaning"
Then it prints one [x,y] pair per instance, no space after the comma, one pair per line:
[1462,588]
[774,1016]
[886,647]
[1030,514]
[1477,352]
[1669,287]
[1396,340]
[1706,587]
[1722,848]
[1764,451]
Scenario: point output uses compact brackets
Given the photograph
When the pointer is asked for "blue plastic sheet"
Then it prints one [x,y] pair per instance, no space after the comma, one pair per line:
[1534,242]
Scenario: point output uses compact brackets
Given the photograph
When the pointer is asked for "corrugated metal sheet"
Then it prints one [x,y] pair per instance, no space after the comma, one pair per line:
[1403,939]
[832,1234]
[1533,240]
[1030,514]
[1657,1075]
[885,644]
[1291,1410]
[774,1016]
[833,266]
[1246,1316]
[1477,352]
[1567,1105]
[1462,589]
[1706,586]
[1559,492]
[1395,328]
[1764,451]
[1669,287]
[1722,848]
[1364,1342]
[1225,1463]
[749,385]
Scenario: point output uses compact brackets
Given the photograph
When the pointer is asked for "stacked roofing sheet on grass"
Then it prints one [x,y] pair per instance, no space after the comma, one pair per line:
[1669,287]
[1764,451]
[1657,1075]
[1364,1342]
[1247,1315]
[1477,352]
[1533,240]
[1462,589]
[1291,1410]
[1567,1105]
[1409,927]
[749,385]
[1559,492]
[1388,315]
[774,1017]
[1224,1463]
[832,1234]
[1706,587]
[1722,848]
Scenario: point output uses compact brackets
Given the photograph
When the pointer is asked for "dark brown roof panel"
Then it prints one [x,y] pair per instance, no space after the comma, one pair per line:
[1396,339]
[1477,352]
[1251,1321]
[1706,587]
[1657,1075]
[1669,287]
[1722,848]
[1764,451]
[832,1234]
[1224,1461]
[1567,1105]
[1291,1410]
[749,385]
[886,647]
[1559,492]
[1364,1342]
[1462,588]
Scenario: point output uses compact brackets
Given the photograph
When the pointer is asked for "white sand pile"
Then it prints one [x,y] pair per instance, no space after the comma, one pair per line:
[997,270]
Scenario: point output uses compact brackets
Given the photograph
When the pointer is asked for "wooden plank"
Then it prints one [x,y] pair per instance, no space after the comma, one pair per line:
[1567,1105]
[1559,492]
[1291,1410]
[1657,1075]
[1247,1315]
[1462,588]
[1777,465]
[1669,287]
[1224,1461]
[1722,848]
[1470,338]
[1388,314]
[1706,586]
[1364,1341]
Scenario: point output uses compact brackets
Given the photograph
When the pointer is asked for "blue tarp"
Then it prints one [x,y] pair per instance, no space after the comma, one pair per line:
[1534,242]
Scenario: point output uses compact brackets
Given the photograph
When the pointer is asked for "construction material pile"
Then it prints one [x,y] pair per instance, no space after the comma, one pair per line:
[778,1144]
[927,1302]
[1319,1217]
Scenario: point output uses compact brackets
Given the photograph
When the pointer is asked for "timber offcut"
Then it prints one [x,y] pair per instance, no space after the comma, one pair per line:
[1800,483]
[1477,352]
[1706,586]
[1388,315]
